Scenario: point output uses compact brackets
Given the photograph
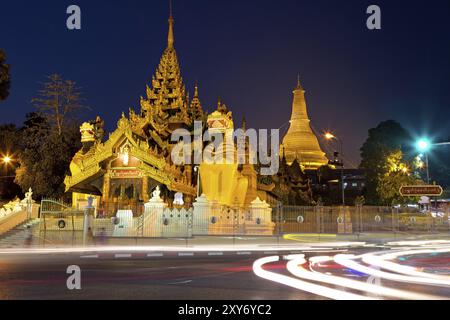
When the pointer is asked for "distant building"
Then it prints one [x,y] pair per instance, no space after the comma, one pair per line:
[326,184]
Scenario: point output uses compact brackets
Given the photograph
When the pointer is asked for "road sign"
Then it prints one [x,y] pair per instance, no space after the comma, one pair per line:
[420,191]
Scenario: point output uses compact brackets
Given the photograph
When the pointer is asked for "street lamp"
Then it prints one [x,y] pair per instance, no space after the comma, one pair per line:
[424,146]
[329,136]
[7,159]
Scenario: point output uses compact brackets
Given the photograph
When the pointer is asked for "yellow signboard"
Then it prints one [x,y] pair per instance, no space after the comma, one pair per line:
[421,191]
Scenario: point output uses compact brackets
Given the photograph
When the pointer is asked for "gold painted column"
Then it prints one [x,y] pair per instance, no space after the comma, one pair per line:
[145,195]
[106,187]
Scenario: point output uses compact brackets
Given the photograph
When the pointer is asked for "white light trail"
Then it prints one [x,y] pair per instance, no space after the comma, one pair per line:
[348,261]
[380,261]
[294,267]
[302,285]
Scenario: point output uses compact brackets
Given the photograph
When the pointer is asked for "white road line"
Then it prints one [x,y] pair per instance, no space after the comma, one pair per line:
[271,252]
[185,254]
[150,255]
[243,253]
[215,253]
[94,256]
[122,255]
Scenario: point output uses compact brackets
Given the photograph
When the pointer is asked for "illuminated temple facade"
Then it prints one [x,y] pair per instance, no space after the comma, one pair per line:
[123,169]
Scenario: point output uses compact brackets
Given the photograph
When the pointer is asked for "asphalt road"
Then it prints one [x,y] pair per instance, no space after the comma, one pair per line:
[228,277]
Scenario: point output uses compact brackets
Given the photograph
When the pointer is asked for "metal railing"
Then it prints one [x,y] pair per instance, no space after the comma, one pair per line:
[357,219]
[57,215]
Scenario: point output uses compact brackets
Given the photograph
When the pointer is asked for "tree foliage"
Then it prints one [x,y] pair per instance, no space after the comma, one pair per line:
[384,140]
[5,77]
[397,174]
[45,156]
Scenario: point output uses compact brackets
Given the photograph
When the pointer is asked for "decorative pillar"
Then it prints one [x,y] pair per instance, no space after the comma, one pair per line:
[145,195]
[106,187]
[153,215]
[260,211]
[188,174]
[202,216]
[344,221]
[261,214]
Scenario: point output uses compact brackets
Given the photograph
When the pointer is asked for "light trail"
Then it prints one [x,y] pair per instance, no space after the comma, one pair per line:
[302,285]
[348,261]
[294,267]
[380,261]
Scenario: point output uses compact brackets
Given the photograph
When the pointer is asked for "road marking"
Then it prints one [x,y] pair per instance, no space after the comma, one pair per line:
[181,282]
[185,254]
[271,252]
[150,255]
[94,256]
[122,255]
[215,253]
[243,253]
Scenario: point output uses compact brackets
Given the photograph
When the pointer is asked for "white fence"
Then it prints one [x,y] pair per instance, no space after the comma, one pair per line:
[205,218]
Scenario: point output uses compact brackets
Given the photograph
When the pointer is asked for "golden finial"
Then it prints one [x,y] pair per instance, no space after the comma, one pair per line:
[299,85]
[196,90]
[170,38]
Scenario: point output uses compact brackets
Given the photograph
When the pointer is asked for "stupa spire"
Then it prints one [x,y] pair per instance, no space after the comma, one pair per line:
[166,106]
[300,143]
[196,105]
[299,85]
[170,37]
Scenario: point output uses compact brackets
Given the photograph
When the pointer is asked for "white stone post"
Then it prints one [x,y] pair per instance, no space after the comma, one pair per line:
[87,218]
[153,215]
[201,216]
[261,210]
[261,214]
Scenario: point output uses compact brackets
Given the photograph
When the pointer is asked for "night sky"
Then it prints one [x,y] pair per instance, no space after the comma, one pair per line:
[247,52]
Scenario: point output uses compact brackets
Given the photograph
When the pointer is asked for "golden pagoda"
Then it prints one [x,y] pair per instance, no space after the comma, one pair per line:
[300,143]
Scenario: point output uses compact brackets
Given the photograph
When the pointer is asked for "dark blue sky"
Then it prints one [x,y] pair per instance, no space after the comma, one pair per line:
[247,52]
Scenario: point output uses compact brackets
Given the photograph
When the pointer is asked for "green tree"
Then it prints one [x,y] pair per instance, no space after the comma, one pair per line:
[46,156]
[397,174]
[5,77]
[388,137]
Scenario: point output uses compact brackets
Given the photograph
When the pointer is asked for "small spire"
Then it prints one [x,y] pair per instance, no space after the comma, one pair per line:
[170,38]
[299,85]
[244,123]
[196,90]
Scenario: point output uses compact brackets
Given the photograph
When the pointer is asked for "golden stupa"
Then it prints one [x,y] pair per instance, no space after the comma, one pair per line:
[300,142]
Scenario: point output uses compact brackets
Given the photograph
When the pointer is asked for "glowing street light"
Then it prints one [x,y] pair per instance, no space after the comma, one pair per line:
[7,159]
[423,145]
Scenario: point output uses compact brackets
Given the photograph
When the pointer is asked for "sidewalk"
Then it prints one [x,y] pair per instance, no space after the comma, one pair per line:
[32,238]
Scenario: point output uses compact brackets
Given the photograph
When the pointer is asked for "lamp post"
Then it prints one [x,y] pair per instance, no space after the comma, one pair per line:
[197,170]
[423,145]
[329,136]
